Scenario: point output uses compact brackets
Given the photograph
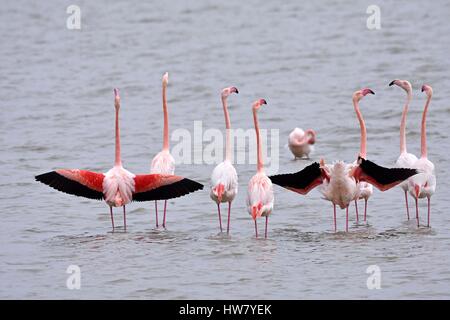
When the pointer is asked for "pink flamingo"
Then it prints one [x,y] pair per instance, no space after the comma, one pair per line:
[118,186]
[163,162]
[301,142]
[340,180]
[423,184]
[260,191]
[224,180]
[405,160]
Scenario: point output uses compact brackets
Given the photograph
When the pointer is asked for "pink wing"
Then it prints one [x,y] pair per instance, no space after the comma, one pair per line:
[162,187]
[81,183]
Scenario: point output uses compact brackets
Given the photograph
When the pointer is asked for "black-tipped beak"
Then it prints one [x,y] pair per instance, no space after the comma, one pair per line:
[264,101]
[371,92]
[392,83]
[237,91]
[423,89]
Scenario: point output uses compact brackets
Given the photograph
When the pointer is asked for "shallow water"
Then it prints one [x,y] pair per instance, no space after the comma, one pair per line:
[305,59]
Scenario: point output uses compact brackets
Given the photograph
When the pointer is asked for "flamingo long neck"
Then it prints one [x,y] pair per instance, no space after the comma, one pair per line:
[423,138]
[117,161]
[258,142]
[228,128]
[166,119]
[403,124]
[363,141]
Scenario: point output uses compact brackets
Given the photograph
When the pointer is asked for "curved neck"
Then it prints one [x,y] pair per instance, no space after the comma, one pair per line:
[166,119]
[362,147]
[403,124]
[310,133]
[117,161]
[423,138]
[228,127]
[260,165]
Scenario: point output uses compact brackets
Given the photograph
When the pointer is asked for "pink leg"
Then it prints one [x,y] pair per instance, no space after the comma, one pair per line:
[164,218]
[156,211]
[406,201]
[365,209]
[220,218]
[112,218]
[334,217]
[256,229]
[228,223]
[428,225]
[124,219]
[265,233]
[346,219]
[357,213]
[417,212]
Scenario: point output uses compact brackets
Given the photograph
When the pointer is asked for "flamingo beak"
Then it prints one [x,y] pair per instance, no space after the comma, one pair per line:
[392,83]
[234,89]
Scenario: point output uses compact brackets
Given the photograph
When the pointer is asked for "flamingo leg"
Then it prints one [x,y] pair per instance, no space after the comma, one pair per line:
[156,211]
[220,218]
[112,217]
[256,229]
[124,219]
[346,219]
[334,217]
[164,218]
[265,233]
[428,225]
[406,201]
[365,209]
[417,212]
[228,223]
[357,213]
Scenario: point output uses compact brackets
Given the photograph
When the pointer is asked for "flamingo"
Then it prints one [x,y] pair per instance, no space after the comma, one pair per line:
[364,189]
[224,180]
[423,184]
[163,162]
[260,190]
[340,180]
[406,159]
[118,186]
[301,142]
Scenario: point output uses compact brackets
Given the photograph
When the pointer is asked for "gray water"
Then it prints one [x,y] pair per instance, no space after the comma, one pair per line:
[306,59]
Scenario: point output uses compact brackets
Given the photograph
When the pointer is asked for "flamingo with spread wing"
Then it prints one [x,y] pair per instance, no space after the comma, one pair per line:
[118,186]
[340,180]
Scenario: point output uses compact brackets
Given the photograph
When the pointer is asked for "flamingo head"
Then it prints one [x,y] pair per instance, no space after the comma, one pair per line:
[404,84]
[428,90]
[358,95]
[258,103]
[116,98]
[228,91]
[165,79]
[312,136]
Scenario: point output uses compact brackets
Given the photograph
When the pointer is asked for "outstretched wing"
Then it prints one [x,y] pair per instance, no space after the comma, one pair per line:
[80,183]
[381,177]
[301,182]
[162,187]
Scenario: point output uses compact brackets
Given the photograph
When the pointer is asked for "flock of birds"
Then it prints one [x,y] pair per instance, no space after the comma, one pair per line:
[341,183]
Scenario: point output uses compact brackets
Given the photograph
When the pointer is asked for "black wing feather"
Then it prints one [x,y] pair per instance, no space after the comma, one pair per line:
[298,180]
[61,183]
[383,175]
[170,191]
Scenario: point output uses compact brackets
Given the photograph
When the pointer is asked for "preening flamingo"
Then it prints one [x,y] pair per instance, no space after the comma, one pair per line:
[339,180]
[260,190]
[423,184]
[163,162]
[224,180]
[405,160]
[118,186]
[301,142]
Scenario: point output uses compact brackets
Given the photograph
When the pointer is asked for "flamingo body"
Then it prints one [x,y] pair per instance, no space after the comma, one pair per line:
[163,163]
[260,196]
[224,182]
[301,143]
[341,188]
